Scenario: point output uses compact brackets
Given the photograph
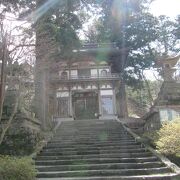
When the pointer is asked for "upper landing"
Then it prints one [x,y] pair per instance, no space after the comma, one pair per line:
[83,71]
[88,63]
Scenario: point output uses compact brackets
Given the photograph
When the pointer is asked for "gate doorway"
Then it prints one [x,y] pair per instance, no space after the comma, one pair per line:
[62,107]
[85,105]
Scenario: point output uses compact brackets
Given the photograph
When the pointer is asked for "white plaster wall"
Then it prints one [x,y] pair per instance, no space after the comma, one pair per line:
[94,72]
[79,87]
[106,92]
[109,86]
[64,71]
[106,86]
[61,88]
[88,87]
[103,86]
[62,94]
[74,73]
[94,87]
[107,69]
[164,114]
[74,88]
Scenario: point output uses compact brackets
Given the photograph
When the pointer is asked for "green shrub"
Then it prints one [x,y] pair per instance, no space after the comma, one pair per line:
[12,168]
[20,143]
[169,138]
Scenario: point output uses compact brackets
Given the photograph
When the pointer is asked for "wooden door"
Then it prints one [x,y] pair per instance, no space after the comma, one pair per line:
[85,105]
[62,107]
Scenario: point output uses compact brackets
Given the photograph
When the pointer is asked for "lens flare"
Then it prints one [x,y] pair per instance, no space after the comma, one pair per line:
[117,9]
[38,13]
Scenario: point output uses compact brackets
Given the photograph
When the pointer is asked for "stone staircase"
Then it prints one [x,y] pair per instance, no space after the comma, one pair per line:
[98,150]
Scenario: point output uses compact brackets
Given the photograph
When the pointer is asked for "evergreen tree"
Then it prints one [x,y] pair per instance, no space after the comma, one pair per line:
[167,40]
[176,31]
[129,24]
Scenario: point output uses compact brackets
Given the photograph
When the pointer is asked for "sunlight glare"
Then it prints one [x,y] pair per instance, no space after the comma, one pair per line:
[169,8]
[43,9]
[117,10]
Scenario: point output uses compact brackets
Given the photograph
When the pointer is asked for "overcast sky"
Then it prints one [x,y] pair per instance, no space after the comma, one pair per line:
[169,8]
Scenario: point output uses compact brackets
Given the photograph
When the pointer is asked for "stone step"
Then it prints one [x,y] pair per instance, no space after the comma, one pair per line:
[89,156]
[120,172]
[82,152]
[97,150]
[96,126]
[90,123]
[117,129]
[60,143]
[97,144]
[165,176]
[96,161]
[93,124]
[89,138]
[54,141]
[84,131]
[86,127]
[100,166]
[77,148]
[93,135]
[57,140]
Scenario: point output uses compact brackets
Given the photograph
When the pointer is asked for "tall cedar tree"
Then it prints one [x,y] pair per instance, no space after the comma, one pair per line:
[133,29]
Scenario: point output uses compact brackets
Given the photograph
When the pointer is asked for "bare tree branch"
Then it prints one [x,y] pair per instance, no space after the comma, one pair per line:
[5,129]
[22,45]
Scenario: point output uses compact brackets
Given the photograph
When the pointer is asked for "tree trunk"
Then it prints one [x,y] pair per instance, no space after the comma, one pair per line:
[44,48]
[148,89]
[40,79]
[122,90]
[3,76]
[9,122]
[123,100]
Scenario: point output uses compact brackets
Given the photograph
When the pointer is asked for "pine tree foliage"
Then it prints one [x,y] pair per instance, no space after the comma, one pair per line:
[167,40]
[177,28]
[129,24]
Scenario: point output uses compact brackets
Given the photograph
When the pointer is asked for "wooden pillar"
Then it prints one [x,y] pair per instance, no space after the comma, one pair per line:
[99,98]
[114,102]
[70,104]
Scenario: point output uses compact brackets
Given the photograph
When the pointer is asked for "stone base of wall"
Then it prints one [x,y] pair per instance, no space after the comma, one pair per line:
[108,117]
[135,124]
[152,120]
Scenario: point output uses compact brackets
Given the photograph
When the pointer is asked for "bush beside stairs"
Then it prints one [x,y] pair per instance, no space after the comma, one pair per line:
[98,150]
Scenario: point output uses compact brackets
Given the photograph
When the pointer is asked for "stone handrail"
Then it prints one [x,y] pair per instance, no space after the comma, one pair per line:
[165,160]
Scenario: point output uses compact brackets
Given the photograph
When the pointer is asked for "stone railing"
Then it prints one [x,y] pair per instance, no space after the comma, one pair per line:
[113,76]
